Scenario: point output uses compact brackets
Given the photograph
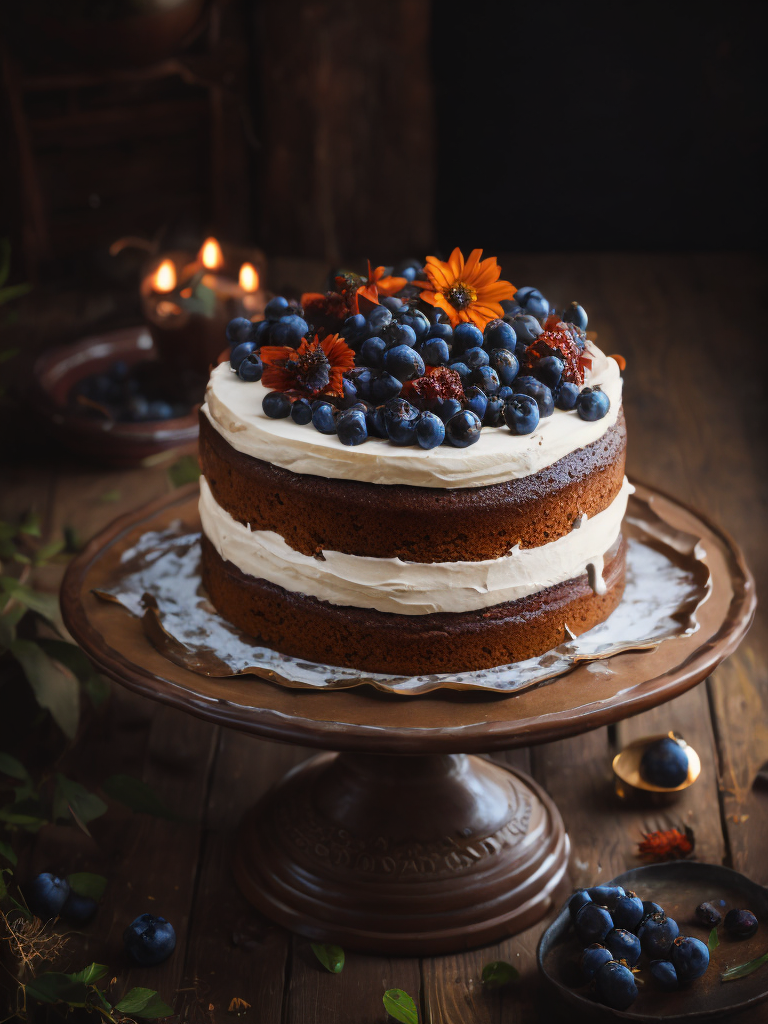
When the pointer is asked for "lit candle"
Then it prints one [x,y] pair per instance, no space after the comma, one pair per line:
[164,278]
[210,255]
[249,282]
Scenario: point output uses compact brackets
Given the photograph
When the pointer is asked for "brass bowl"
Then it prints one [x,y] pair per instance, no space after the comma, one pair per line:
[626,764]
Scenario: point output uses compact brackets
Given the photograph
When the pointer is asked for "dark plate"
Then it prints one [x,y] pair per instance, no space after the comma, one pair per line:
[679,887]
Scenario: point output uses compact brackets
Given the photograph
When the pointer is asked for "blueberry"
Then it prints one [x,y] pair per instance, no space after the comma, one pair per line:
[239,353]
[493,412]
[499,334]
[349,396]
[119,370]
[251,368]
[510,307]
[400,418]
[740,924]
[79,910]
[260,332]
[463,429]
[383,387]
[416,320]
[392,303]
[430,430]
[301,411]
[277,307]
[592,404]
[149,940]
[664,762]
[539,392]
[606,895]
[549,370]
[577,901]
[474,357]
[486,378]
[567,395]
[374,421]
[690,958]
[624,945]
[505,393]
[404,363]
[592,923]
[462,369]
[434,352]
[441,330]
[651,908]
[708,915]
[521,414]
[159,410]
[372,352]
[362,379]
[476,401]
[615,986]
[575,314]
[400,334]
[592,959]
[505,364]
[46,895]
[664,974]
[466,336]
[448,408]
[276,405]
[238,330]
[378,319]
[351,427]
[656,934]
[527,328]
[289,331]
[138,408]
[324,417]
[532,301]
[628,911]
[355,329]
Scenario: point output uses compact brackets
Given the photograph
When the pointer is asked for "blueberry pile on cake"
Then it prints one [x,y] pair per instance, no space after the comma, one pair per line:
[414,473]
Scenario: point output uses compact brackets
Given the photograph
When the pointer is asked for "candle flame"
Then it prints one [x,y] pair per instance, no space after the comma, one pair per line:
[164,278]
[249,278]
[211,255]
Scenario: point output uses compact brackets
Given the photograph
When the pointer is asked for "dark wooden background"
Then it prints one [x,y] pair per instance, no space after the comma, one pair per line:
[696,412]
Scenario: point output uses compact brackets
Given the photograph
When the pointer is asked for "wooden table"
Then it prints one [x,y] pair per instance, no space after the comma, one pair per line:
[688,326]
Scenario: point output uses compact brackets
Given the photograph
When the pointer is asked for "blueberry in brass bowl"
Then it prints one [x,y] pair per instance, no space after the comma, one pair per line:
[657,764]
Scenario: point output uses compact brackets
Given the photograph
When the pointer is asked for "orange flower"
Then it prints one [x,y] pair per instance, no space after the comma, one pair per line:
[379,284]
[314,368]
[467,292]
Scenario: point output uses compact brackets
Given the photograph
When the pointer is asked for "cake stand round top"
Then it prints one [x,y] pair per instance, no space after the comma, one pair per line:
[585,698]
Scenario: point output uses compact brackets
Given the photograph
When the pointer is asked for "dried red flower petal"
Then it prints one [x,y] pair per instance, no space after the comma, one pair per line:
[315,368]
[437,382]
[557,339]
[671,844]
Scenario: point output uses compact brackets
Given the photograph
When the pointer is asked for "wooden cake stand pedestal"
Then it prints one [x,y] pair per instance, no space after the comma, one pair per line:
[402,843]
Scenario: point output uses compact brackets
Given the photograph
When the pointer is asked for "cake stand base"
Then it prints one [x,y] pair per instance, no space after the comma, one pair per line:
[403,855]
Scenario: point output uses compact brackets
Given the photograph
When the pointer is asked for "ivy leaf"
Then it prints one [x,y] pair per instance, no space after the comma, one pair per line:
[73,658]
[54,988]
[137,796]
[48,551]
[46,605]
[713,941]
[7,851]
[331,957]
[69,797]
[30,525]
[498,973]
[399,1005]
[86,884]
[54,686]
[184,471]
[10,765]
[27,814]
[90,973]
[744,969]
[144,1002]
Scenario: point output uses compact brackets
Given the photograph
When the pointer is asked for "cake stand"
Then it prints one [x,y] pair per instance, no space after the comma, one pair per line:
[403,843]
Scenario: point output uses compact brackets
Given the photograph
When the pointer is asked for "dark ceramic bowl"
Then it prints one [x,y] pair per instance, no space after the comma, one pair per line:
[110,443]
[679,887]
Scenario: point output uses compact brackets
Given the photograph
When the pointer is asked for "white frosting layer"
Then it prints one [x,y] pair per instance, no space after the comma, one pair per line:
[414,588]
[234,409]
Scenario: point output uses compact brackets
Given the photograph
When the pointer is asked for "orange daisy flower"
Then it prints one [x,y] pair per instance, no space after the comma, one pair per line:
[314,368]
[380,283]
[467,292]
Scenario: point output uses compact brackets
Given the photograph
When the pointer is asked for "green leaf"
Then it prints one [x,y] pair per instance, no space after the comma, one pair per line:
[7,354]
[97,688]
[744,969]
[54,988]
[73,658]
[144,1002]
[110,497]
[184,471]
[10,765]
[6,850]
[54,686]
[713,941]
[137,795]
[13,291]
[86,884]
[70,796]
[46,605]
[27,814]
[90,973]
[48,551]
[30,525]
[331,957]
[399,1005]
[498,973]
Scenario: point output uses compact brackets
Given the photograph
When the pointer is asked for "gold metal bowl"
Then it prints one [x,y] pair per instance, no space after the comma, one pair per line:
[626,764]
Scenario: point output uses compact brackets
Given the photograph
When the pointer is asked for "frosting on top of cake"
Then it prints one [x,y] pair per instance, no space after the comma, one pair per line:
[233,407]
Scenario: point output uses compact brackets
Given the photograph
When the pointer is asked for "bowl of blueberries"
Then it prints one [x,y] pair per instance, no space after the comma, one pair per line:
[662,942]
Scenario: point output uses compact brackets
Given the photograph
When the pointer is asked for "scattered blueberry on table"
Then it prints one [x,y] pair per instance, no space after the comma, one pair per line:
[149,940]
[740,924]
[46,895]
